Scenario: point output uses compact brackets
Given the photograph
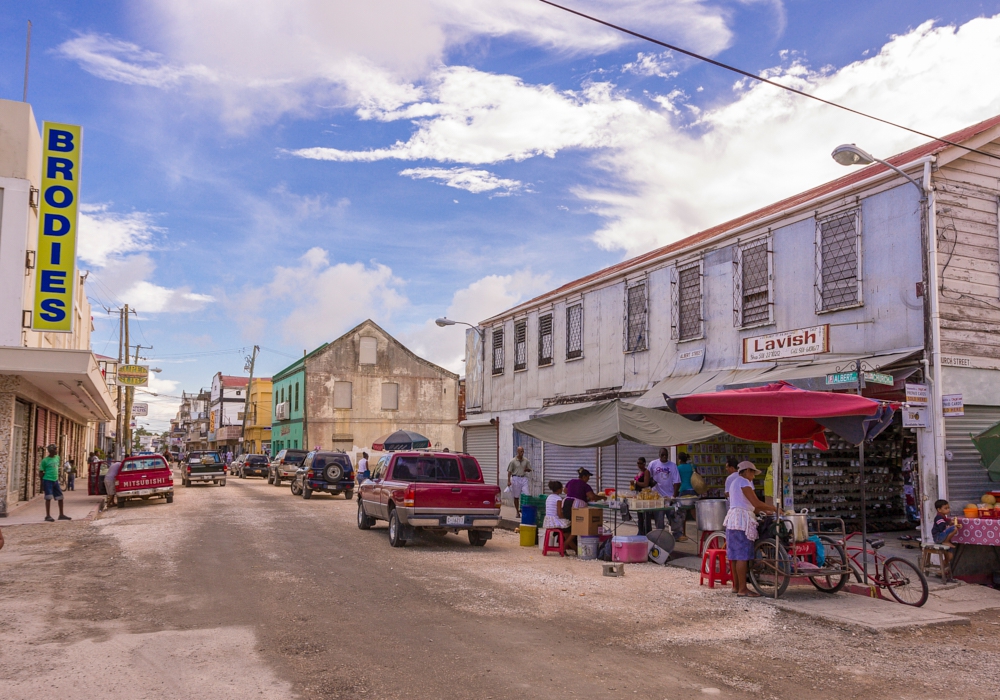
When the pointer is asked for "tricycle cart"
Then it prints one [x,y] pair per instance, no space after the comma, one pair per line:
[784,552]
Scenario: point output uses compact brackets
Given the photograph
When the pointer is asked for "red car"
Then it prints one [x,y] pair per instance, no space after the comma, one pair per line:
[144,477]
[436,491]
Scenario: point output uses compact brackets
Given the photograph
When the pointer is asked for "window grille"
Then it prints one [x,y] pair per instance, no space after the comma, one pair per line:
[689,303]
[545,340]
[520,345]
[296,396]
[498,351]
[636,313]
[838,282]
[752,283]
[574,331]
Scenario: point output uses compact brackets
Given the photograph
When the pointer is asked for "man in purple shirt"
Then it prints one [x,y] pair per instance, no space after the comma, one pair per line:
[668,484]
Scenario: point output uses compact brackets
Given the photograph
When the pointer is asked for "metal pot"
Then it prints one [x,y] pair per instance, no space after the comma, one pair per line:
[797,525]
[710,513]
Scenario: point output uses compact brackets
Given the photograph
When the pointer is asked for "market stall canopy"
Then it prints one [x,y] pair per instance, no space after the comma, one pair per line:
[988,444]
[401,440]
[607,422]
[706,381]
[753,413]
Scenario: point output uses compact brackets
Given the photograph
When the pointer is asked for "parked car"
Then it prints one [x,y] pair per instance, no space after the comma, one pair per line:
[434,491]
[252,465]
[284,465]
[328,472]
[144,477]
[204,466]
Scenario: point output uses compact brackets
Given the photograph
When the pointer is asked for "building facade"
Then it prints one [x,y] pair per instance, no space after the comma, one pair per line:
[348,393]
[225,420]
[797,291]
[258,420]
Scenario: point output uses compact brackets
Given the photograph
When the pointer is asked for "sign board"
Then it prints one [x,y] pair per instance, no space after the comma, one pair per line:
[691,354]
[140,409]
[55,276]
[852,378]
[916,394]
[952,406]
[774,346]
[133,375]
[915,417]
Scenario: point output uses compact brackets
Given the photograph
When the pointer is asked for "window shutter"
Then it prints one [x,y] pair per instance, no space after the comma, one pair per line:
[390,396]
[367,354]
[342,394]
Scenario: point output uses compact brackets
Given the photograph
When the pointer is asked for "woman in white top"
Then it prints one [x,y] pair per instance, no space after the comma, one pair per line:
[741,526]
[554,511]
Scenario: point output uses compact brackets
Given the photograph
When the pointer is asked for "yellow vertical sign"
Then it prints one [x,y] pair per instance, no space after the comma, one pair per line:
[55,278]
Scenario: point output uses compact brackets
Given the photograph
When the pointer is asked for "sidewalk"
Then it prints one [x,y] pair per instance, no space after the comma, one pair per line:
[77,505]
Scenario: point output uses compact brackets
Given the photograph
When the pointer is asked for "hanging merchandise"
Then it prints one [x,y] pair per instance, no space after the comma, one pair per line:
[709,459]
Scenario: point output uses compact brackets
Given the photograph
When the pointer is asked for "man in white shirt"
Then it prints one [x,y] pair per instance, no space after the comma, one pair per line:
[668,484]
[517,478]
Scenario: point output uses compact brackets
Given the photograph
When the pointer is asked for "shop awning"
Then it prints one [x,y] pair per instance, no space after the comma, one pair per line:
[70,378]
[606,422]
[701,383]
[812,375]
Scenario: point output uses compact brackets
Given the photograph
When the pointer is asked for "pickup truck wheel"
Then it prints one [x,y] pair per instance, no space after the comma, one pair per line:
[306,491]
[121,502]
[364,522]
[395,530]
[476,539]
[170,499]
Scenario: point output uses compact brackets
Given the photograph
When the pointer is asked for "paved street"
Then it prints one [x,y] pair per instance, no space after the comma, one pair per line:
[246,591]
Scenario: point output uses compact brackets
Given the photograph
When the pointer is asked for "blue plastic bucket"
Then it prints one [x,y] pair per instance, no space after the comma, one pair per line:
[529,515]
[587,548]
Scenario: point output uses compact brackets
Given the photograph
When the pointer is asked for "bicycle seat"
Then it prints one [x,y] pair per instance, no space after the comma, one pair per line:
[876,543]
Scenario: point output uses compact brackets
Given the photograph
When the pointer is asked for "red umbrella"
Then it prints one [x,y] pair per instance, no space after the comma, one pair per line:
[754,413]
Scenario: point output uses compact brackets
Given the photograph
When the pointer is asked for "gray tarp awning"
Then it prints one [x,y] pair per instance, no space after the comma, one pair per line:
[701,383]
[812,375]
[606,422]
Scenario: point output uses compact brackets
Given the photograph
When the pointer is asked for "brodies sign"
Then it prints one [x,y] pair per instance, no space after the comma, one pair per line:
[805,341]
[55,281]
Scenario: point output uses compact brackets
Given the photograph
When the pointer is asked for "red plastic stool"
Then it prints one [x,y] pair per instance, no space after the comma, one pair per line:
[559,547]
[715,567]
[805,551]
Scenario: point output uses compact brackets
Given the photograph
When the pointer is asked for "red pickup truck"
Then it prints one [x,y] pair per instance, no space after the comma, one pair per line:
[144,477]
[436,491]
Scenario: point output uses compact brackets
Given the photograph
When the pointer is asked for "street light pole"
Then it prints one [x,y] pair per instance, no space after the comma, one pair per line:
[444,322]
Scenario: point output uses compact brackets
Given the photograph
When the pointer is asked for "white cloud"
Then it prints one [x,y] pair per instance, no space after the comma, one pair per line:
[469,179]
[105,234]
[483,298]
[163,407]
[124,62]
[652,64]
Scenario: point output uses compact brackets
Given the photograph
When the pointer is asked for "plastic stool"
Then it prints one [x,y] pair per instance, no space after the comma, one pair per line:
[806,551]
[558,547]
[715,567]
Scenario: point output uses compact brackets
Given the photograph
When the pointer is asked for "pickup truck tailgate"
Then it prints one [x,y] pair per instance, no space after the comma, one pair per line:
[454,497]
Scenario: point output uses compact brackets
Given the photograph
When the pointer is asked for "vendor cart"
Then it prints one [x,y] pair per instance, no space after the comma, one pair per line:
[792,552]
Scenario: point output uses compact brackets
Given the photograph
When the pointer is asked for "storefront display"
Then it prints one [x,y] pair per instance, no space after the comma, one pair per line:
[709,458]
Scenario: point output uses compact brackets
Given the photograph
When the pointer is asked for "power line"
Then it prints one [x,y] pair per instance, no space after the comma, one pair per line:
[277,352]
[752,76]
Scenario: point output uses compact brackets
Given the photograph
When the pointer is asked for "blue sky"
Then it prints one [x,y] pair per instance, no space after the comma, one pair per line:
[278,175]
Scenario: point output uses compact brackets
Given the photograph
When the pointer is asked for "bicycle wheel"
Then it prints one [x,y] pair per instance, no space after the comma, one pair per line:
[770,569]
[905,582]
[835,558]
[717,540]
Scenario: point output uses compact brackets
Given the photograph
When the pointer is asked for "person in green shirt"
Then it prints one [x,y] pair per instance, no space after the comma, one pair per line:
[49,467]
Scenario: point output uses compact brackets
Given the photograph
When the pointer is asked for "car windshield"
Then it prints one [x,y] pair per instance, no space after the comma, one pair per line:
[203,457]
[134,465]
[427,469]
[293,458]
[256,459]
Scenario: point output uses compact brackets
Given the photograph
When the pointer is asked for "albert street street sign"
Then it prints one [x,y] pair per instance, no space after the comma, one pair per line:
[852,378]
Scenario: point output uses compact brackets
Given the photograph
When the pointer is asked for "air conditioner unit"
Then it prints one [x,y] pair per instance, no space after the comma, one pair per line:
[281,411]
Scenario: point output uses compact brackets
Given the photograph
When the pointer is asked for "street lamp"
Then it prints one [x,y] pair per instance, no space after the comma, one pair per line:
[850,154]
[155,369]
[445,322]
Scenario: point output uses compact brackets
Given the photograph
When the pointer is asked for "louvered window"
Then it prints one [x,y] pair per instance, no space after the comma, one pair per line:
[635,318]
[545,340]
[752,283]
[689,303]
[838,283]
[520,345]
[574,331]
[498,351]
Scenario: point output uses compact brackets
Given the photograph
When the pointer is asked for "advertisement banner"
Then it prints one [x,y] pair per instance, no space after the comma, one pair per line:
[915,417]
[953,406]
[55,276]
[133,375]
[916,394]
[774,346]
[140,409]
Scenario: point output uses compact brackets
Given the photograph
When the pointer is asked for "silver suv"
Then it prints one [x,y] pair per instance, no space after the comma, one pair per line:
[284,465]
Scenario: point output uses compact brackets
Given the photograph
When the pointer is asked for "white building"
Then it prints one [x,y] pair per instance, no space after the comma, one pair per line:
[225,418]
[845,260]
[51,388]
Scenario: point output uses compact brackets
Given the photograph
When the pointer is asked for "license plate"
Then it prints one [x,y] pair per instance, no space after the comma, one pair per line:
[455,519]
[332,487]
[144,492]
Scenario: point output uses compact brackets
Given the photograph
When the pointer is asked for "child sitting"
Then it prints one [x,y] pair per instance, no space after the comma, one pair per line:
[943,530]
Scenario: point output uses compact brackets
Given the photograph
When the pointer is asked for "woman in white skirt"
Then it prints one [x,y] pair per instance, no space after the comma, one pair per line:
[554,512]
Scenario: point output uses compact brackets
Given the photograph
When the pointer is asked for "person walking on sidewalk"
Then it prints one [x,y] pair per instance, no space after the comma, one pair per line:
[49,467]
[517,478]
[70,475]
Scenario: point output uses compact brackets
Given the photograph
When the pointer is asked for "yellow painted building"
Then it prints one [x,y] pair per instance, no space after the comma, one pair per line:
[258,435]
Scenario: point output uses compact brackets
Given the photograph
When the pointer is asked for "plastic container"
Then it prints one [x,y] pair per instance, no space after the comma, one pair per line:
[587,547]
[529,515]
[632,549]
[971,512]
[536,502]
[542,534]
[529,534]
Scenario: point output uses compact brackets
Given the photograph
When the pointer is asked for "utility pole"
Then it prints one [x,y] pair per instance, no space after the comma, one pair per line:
[27,60]
[127,418]
[251,361]
[119,404]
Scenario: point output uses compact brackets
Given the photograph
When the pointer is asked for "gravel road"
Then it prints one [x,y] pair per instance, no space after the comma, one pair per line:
[248,592]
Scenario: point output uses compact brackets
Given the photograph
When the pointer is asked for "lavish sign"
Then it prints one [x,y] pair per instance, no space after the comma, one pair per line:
[774,346]
[55,278]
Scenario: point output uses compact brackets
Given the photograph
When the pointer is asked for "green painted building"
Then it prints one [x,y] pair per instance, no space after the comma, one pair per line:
[289,401]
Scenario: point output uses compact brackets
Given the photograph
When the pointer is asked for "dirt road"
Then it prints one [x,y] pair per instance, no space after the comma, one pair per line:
[248,592]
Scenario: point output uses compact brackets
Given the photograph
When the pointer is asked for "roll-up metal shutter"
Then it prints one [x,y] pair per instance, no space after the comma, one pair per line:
[967,478]
[533,453]
[628,453]
[562,463]
[481,443]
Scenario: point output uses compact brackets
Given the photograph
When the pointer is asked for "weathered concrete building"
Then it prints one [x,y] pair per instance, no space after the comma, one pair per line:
[347,393]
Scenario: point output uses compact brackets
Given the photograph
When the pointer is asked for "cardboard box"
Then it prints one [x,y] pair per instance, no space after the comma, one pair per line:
[586,521]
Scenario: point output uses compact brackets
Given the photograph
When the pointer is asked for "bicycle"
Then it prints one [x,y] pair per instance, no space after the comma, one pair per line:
[906,583]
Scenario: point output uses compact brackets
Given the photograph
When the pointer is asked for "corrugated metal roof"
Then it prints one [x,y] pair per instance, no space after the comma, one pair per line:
[855,177]
[230,381]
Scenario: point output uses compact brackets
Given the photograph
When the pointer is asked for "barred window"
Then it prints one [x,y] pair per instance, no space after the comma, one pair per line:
[689,303]
[574,331]
[520,345]
[498,351]
[636,313]
[839,279]
[545,340]
[753,283]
